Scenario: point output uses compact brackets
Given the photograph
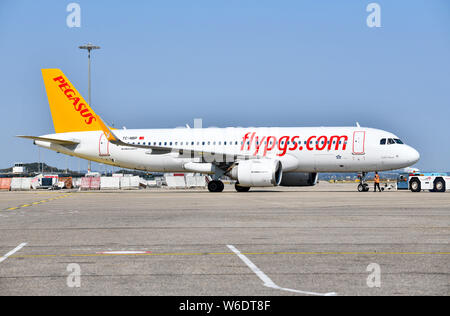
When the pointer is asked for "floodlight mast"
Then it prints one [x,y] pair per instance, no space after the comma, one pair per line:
[89,47]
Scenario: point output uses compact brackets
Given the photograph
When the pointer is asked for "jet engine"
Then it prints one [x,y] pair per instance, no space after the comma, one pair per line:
[257,173]
[298,179]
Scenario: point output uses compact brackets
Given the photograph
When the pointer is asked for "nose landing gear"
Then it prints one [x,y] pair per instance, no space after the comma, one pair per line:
[363,186]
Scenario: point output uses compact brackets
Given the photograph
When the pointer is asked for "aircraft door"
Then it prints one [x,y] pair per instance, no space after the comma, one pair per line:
[359,139]
[103,146]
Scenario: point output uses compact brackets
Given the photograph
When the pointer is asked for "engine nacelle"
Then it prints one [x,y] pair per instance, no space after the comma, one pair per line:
[258,173]
[299,179]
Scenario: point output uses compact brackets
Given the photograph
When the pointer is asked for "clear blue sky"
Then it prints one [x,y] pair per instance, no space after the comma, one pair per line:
[232,63]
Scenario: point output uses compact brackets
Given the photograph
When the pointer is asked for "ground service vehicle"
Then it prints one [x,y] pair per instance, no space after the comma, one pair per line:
[434,182]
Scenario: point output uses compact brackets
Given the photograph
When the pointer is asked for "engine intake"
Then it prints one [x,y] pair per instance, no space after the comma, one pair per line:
[258,173]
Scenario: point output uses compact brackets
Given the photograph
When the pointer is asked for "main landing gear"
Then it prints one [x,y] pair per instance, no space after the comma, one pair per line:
[363,186]
[241,189]
[218,186]
[215,186]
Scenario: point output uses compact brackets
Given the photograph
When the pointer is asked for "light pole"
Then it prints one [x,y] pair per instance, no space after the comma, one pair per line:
[89,47]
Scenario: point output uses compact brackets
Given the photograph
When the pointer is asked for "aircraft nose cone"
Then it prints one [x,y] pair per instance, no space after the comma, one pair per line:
[413,156]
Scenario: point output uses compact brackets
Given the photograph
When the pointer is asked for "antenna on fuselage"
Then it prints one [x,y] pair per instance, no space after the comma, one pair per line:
[357,124]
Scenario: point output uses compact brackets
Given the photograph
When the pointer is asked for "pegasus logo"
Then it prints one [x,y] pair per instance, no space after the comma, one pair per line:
[70,93]
[268,143]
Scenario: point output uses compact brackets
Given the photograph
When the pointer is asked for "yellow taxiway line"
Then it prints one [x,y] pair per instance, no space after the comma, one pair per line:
[229,253]
[36,203]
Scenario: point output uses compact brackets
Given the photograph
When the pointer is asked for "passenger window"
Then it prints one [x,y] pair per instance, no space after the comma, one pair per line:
[383,141]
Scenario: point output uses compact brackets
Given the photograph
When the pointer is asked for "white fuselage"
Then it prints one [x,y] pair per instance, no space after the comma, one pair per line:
[315,149]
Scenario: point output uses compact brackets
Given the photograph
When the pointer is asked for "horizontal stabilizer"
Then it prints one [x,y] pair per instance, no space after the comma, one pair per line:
[51,140]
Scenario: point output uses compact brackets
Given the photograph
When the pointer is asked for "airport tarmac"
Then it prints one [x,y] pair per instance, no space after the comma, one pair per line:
[296,241]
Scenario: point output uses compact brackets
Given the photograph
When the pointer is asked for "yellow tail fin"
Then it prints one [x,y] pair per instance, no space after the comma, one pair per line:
[70,112]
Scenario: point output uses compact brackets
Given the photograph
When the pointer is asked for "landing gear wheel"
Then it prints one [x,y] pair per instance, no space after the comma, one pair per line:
[360,188]
[363,187]
[215,186]
[439,185]
[415,185]
[241,189]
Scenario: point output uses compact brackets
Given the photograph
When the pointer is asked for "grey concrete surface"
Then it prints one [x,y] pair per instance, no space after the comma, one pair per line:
[318,239]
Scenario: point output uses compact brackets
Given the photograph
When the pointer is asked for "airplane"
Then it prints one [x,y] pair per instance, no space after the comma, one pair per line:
[254,157]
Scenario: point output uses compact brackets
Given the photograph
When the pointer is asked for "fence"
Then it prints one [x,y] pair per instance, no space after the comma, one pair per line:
[5,184]
[20,184]
[90,183]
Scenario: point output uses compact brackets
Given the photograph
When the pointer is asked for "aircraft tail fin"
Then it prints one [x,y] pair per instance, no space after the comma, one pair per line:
[70,112]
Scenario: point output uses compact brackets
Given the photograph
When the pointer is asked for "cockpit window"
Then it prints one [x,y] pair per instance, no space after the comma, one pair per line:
[391,141]
[398,141]
[383,141]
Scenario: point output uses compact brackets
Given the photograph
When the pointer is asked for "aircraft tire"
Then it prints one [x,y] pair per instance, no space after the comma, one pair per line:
[216,186]
[241,189]
[363,187]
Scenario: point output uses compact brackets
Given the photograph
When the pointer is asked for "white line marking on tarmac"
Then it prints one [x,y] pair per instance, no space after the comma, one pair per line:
[267,281]
[12,252]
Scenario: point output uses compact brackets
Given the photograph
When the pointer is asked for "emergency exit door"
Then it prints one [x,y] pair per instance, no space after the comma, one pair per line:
[359,139]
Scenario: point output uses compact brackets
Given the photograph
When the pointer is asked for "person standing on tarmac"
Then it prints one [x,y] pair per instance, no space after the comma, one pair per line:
[377,182]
